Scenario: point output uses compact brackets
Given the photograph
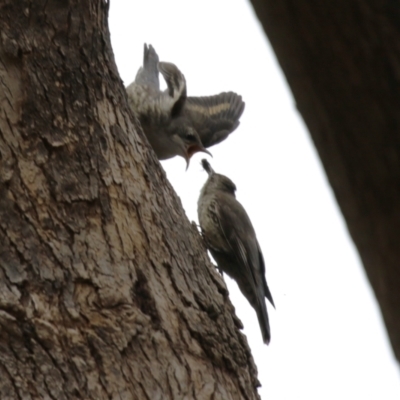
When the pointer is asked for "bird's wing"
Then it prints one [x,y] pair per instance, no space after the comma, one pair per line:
[214,117]
[240,238]
[243,244]
[268,294]
[149,104]
[176,83]
[148,74]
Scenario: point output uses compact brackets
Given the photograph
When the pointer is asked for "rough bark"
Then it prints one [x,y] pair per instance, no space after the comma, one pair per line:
[342,62]
[106,290]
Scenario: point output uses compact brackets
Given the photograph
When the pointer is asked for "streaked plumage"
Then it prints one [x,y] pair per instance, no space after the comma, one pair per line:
[231,239]
[174,123]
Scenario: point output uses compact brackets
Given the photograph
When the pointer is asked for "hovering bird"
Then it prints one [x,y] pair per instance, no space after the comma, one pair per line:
[230,237]
[177,125]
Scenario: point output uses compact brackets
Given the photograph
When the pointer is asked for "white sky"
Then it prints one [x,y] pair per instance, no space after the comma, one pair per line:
[328,340]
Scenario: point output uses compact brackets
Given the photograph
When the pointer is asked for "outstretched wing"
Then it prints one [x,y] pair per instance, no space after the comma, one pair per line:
[214,117]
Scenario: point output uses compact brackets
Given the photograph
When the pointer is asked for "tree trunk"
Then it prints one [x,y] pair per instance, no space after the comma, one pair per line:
[106,289]
[342,62]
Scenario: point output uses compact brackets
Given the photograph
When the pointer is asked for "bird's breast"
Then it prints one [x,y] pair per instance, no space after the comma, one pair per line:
[211,225]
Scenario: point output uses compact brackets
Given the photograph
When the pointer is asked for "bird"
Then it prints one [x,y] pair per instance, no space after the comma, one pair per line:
[175,124]
[230,237]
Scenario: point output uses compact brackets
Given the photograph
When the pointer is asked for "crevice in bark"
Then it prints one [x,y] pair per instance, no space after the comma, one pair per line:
[144,299]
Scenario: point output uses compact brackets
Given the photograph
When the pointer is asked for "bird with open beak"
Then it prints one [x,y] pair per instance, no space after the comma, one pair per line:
[230,237]
[177,125]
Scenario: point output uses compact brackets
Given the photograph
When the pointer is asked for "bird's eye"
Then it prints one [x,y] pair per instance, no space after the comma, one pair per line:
[190,136]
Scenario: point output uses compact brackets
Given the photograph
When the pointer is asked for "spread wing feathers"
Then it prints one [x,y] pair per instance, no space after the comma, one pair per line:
[214,117]
[148,74]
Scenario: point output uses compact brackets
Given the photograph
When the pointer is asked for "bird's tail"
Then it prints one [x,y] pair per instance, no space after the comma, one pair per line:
[150,58]
[148,74]
[255,296]
[263,320]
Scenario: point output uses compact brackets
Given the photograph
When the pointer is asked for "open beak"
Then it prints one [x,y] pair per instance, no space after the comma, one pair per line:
[193,149]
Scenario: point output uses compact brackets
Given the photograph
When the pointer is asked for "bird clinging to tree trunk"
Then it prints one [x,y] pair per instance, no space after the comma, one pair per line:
[231,239]
[174,123]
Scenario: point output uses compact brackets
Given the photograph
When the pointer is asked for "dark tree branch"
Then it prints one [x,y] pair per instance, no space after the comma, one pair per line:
[342,62]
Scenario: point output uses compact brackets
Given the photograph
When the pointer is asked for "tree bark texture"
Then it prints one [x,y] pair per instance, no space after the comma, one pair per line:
[342,62]
[106,290]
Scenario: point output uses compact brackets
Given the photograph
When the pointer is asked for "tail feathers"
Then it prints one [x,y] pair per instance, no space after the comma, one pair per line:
[150,57]
[256,297]
[263,321]
[148,74]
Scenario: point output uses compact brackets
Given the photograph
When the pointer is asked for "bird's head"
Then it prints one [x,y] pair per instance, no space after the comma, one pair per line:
[188,142]
[217,182]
